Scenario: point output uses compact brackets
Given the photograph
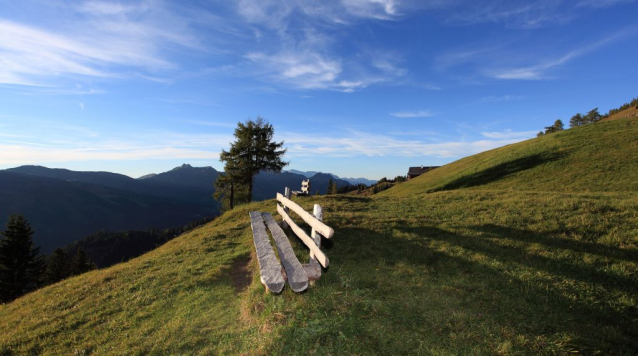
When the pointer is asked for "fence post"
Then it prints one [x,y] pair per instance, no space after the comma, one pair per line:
[318,213]
[287,195]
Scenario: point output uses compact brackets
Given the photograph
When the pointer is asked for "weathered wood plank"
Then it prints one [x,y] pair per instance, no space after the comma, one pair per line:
[287,195]
[304,237]
[319,226]
[269,266]
[297,277]
[317,212]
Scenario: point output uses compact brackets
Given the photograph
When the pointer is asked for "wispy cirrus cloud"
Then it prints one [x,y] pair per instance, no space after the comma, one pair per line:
[529,14]
[509,135]
[114,39]
[297,44]
[77,144]
[497,99]
[356,143]
[501,62]
[412,114]
[539,71]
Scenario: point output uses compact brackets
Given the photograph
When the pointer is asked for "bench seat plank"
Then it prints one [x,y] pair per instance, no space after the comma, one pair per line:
[269,266]
[297,277]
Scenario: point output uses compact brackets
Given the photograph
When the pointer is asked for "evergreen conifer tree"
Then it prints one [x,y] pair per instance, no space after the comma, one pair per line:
[576,120]
[21,267]
[330,187]
[253,150]
[592,116]
[58,267]
[81,264]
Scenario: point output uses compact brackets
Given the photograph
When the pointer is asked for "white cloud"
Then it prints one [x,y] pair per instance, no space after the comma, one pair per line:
[602,3]
[305,70]
[365,144]
[114,39]
[105,8]
[299,47]
[30,154]
[539,71]
[499,62]
[496,99]
[528,14]
[509,135]
[71,143]
[412,114]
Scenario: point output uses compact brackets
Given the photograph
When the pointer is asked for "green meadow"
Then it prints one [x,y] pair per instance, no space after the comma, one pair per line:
[530,248]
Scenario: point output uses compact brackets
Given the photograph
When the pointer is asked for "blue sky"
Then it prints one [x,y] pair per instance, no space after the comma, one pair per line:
[354,87]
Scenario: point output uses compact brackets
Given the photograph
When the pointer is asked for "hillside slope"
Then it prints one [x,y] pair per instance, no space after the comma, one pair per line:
[62,211]
[463,271]
[602,157]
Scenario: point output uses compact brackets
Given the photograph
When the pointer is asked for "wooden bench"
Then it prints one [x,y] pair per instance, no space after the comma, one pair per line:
[298,275]
[305,189]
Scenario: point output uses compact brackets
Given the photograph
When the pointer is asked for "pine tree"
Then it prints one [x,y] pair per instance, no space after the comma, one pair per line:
[81,264]
[592,116]
[558,126]
[21,267]
[576,120]
[332,187]
[58,267]
[253,150]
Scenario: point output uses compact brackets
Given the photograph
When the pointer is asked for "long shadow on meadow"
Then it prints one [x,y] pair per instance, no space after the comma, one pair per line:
[558,242]
[499,171]
[444,284]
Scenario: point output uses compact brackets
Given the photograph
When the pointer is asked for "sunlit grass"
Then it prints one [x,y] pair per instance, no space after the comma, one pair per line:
[486,269]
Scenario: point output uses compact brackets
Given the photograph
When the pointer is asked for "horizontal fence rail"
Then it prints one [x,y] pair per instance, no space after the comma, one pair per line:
[317,225]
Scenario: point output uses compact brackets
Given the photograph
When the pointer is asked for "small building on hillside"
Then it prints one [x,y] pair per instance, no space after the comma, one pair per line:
[414,172]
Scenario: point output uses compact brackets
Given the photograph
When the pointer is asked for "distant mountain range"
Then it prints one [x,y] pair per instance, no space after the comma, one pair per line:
[64,206]
[353,181]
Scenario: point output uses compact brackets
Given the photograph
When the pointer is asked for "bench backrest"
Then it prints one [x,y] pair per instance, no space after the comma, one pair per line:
[323,229]
[305,186]
[314,220]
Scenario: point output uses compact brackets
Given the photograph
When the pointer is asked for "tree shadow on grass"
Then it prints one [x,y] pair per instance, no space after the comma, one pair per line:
[492,247]
[558,242]
[493,297]
[499,171]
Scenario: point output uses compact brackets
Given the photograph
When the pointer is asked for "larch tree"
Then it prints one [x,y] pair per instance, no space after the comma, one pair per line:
[253,150]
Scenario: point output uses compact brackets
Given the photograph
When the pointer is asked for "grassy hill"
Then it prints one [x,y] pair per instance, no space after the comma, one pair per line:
[592,158]
[467,269]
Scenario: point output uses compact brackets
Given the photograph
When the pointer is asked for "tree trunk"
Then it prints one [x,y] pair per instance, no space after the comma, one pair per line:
[232,195]
[250,190]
